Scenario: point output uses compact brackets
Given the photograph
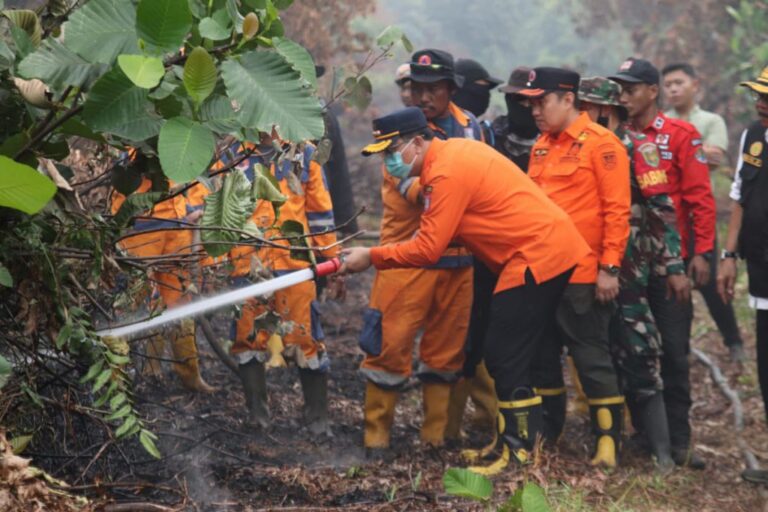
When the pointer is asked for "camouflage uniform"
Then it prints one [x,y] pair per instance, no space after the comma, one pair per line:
[653,246]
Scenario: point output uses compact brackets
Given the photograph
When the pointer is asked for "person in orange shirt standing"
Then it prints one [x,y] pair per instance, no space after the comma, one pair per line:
[474,196]
[436,298]
[157,233]
[257,341]
[584,168]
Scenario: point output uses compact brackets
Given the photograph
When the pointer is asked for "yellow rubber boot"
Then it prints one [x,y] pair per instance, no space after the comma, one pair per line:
[275,348]
[436,396]
[185,351]
[155,350]
[580,405]
[482,391]
[519,428]
[379,414]
[456,406]
[607,416]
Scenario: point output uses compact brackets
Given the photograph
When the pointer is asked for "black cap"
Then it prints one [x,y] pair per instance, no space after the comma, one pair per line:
[543,80]
[474,72]
[517,80]
[637,71]
[386,129]
[432,66]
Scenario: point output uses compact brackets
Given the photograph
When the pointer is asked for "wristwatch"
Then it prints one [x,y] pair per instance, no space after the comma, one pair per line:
[728,254]
[610,269]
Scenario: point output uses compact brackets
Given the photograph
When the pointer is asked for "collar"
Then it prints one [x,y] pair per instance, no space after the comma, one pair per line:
[457,113]
[432,153]
[577,127]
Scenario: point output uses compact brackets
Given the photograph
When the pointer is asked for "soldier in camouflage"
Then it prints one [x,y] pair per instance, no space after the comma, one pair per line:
[653,246]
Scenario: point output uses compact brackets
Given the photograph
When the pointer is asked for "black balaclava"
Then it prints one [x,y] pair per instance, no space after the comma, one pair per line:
[520,118]
[602,119]
[473,97]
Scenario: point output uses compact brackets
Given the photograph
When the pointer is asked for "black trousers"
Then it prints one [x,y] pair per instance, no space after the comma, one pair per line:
[517,328]
[762,354]
[721,312]
[483,284]
[673,319]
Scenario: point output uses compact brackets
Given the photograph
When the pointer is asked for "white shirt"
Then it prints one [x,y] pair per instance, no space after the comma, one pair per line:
[755,302]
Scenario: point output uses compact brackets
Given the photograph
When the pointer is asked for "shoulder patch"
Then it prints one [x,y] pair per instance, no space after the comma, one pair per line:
[609,159]
[756,148]
[696,142]
[658,123]
[650,154]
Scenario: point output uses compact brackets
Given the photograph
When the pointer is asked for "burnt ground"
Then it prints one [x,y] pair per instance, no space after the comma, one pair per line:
[212,461]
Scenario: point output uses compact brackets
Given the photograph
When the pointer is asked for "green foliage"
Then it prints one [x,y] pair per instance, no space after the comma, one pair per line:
[57,66]
[23,188]
[212,29]
[27,21]
[466,484]
[145,72]
[529,498]
[185,148]
[163,24]
[299,59]
[102,29]
[199,75]
[115,105]
[229,208]
[6,370]
[5,277]
[270,93]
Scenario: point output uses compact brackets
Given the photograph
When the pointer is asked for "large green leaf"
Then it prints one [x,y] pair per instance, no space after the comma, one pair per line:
[6,279]
[58,66]
[199,75]
[185,148]
[101,30]
[230,207]
[23,188]
[146,72]
[6,56]
[298,57]
[465,483]
[217,114]
[270,93]
[27,21]
[213,30]
[115,105]
[135,204]
[163,24]
[6,369]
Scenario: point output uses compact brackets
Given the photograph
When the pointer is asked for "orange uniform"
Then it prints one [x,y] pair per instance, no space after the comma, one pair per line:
[312,207]
[585,171]
[475,196]
[436,298]
[171,287]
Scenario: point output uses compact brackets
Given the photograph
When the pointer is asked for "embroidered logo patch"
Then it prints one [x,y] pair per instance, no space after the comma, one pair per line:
[609,160]
[756,148]
[701,156]
[425,60]
[650,154]
[658,123]
[662,138]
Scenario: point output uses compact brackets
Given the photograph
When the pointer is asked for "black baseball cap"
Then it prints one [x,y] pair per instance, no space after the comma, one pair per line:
[474,72]
[517,80]
[545,79]
[431,65]
[637,71]
[386,129]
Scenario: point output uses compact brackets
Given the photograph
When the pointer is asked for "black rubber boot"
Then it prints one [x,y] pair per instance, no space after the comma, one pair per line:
[520,425]
[314,385]
[686,457]
[652,416]
[607,415]
[254,379]
[553,407]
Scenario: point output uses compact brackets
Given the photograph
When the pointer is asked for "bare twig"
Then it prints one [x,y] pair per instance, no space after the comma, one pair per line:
[205,326]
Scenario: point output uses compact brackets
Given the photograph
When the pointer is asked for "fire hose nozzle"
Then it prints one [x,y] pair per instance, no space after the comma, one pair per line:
[328,267]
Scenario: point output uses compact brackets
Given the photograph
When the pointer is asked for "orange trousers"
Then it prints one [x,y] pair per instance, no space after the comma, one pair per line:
[299,328]
[404,301]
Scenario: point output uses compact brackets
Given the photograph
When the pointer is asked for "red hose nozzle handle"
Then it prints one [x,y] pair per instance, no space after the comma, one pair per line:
[327,268]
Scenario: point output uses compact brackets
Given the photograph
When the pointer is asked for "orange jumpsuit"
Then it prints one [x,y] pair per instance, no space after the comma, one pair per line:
[436,297]
[171,287]
[296,306]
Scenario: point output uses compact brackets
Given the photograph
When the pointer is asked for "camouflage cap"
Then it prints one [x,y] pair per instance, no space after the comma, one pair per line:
[600,91]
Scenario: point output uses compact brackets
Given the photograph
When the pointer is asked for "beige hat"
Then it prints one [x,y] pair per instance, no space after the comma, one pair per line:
[403,73]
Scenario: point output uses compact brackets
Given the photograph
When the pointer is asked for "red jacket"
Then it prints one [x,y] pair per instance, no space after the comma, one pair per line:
[683,158]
